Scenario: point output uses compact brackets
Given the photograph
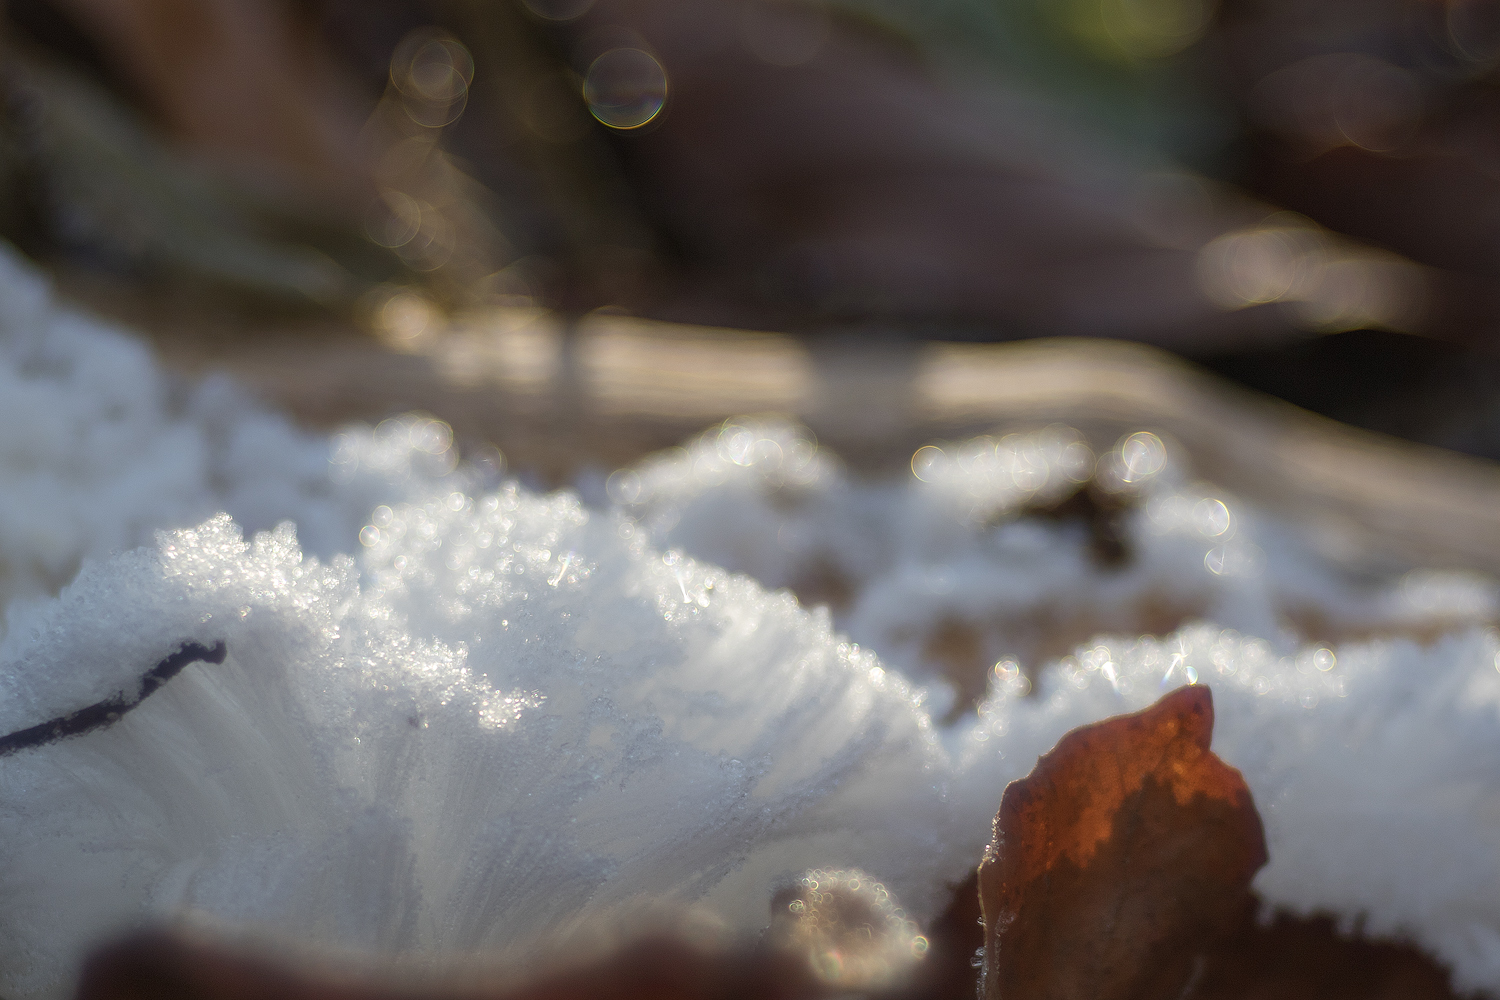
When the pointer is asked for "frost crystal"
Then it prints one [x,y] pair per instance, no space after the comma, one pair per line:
[99,448]
[945,574]
[510,715]
[506,720]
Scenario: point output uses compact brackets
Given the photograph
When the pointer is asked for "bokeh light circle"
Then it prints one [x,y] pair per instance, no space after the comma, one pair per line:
[432,65]
[625,88]
[432,71]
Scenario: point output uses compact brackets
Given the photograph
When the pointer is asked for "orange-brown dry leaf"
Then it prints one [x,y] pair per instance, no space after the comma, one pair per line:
[1118,863]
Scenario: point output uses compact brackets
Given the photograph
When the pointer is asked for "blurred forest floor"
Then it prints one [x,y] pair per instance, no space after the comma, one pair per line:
[1300,197]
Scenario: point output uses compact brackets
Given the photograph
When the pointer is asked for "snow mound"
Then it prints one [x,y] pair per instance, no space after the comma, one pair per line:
[988,555]
[509,716]
[99,448]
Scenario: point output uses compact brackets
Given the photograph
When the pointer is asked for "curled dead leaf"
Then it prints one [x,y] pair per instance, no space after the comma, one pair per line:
[1120,861]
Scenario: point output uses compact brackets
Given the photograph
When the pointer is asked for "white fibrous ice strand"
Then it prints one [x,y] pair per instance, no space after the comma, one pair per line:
[353,693]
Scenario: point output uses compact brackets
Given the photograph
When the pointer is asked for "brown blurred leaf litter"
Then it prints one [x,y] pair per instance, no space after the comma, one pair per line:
[1119,870]
[162,966]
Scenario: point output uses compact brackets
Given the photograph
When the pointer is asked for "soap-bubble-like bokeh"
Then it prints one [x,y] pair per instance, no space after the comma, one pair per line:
[849,927]
[625,88]
[432,71]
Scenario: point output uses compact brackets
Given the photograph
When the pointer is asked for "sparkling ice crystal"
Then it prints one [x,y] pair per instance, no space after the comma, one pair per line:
[509,717]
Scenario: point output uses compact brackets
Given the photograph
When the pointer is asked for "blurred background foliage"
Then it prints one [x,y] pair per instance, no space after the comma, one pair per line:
[1303,196]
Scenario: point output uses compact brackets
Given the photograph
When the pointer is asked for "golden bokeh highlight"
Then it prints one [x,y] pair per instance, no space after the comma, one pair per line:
[1328,284]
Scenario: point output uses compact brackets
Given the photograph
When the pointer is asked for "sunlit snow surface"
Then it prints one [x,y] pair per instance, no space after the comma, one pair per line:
[505,715]
[99,448]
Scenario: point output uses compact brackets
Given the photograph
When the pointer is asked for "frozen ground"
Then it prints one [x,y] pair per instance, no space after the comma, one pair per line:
[454,715]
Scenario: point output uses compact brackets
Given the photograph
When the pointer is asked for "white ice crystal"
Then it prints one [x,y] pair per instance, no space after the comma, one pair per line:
[1368,761]
[900,561]
[99,448]
[509,715]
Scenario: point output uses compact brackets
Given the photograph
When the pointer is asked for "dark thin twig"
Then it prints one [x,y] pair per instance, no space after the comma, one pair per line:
[109,711]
